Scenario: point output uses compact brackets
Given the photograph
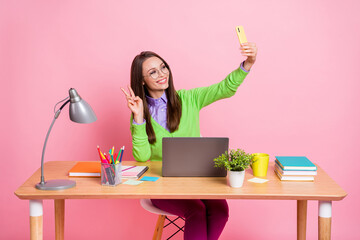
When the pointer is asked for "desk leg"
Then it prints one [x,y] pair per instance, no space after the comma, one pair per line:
[301,219]
[59,218]
[36,219]
[324,220]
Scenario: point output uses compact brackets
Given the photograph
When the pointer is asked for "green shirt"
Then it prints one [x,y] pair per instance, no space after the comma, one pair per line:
[193,101]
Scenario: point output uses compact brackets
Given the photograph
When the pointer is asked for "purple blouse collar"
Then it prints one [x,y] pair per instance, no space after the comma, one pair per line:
[154,102]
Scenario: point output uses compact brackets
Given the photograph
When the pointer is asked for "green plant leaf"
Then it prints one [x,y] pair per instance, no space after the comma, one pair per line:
[234,160]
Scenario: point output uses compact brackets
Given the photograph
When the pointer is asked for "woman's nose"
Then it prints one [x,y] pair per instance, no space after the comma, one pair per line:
[161,74]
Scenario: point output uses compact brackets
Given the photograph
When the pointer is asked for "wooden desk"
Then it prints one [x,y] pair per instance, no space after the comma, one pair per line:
[324,189]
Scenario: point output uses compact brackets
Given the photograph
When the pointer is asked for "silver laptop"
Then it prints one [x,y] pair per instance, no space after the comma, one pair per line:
[192,156]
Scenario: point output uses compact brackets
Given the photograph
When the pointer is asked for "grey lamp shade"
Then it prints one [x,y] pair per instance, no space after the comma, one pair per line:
[79,110]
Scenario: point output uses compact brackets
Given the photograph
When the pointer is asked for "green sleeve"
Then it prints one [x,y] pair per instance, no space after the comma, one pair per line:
[141,146]
[204,96]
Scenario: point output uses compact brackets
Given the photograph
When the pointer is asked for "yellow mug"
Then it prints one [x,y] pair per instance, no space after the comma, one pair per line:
[260,164]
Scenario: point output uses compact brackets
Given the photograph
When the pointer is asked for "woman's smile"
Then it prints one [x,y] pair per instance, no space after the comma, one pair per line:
[162,81]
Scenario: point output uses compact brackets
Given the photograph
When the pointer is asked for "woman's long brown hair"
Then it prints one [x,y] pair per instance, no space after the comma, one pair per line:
[173,103]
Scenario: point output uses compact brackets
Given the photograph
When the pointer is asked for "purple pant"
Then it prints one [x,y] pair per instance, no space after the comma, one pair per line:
[204,219]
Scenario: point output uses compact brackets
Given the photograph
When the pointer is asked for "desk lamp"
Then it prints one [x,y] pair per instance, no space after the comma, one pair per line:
[80,112]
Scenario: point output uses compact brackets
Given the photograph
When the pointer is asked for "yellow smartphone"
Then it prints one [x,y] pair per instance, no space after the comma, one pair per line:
[241,34]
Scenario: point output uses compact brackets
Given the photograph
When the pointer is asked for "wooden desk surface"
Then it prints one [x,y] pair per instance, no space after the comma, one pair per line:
[323,188]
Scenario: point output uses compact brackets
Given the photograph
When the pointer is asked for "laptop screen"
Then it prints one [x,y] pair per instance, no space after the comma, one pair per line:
[192,156]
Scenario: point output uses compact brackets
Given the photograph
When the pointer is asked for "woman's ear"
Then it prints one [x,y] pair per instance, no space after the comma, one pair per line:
[143,82]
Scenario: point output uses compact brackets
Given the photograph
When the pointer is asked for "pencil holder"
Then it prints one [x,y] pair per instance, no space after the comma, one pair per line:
[110,174]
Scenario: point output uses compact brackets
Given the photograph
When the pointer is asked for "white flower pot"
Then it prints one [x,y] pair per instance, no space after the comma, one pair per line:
[235,178]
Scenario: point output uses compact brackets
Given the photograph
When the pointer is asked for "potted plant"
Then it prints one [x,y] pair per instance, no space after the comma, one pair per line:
[235,162]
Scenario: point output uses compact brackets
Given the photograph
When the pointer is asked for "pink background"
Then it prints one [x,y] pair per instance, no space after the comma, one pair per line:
[301,98]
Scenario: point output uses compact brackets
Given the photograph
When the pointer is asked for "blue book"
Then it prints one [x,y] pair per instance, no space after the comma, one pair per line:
[294,172]
[295,163]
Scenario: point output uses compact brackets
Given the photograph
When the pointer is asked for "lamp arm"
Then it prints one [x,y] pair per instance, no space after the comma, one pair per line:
[62,106]
[42,179]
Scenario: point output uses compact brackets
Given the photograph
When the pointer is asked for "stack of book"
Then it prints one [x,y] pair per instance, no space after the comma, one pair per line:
[295,168]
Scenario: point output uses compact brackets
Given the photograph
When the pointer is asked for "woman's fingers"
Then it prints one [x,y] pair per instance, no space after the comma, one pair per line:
[129,97]
[124,91]
[132,94]
[248,49]
[134,102]
[248,52]
[137,98]
[247,46]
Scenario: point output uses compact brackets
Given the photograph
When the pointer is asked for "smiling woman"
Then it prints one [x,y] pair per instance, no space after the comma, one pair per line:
[159,111]
[151,79]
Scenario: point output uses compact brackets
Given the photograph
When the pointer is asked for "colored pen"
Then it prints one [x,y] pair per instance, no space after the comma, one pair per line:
[122,152]
[101,155]
[117,159]
[128,168]
[107,158]
[111,157]
[98,148]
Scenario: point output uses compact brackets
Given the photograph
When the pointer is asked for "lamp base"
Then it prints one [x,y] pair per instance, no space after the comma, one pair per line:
[57,184]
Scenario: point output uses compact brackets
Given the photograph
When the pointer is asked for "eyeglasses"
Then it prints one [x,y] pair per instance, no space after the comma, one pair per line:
[155,73]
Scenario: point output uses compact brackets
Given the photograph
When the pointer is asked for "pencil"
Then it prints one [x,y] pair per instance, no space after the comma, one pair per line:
[117,159]
[110,158]
[101,155]
[122,152]
[98,148]
[107,158]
